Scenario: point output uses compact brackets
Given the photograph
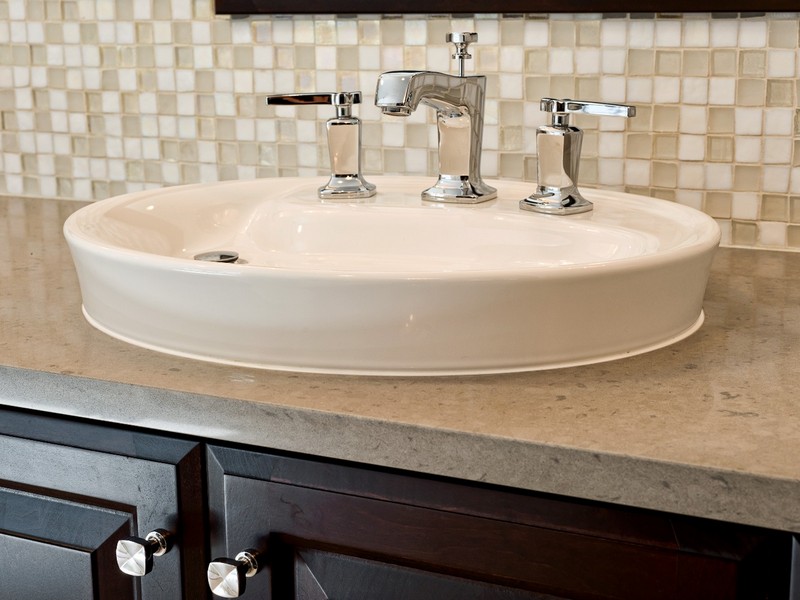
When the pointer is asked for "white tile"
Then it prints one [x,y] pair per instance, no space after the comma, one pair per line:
[745,205]
[537,34]
[747,149]
[560,61]
[666,90]
[641,33]
[668,33]
[781,63]
[776,179]
[778,121]
[691,176]
[691,147]
[747,121]
[694,90]
[772,234]
[640,89]
[752,33]
[722,90]
[777,150]
[724,33]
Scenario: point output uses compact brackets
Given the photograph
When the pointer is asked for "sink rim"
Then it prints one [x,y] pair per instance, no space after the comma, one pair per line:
[500,206]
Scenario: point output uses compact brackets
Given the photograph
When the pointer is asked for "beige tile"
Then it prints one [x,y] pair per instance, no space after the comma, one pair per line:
[665,118]
[639,145]
[723,63]
[794,209]
[562,86]
[588,33]
[668,62]
[665,174]
[774,207]
[780,92]
[665,146]
[746,178]
[744,233]
[751,92]
[719,148]
[783,33]
[536,61]
[641,62]
[587,87]
[696,63]
[721,119]
[753,63]
[562,33]
[512,32]
[793,236]
[510,165]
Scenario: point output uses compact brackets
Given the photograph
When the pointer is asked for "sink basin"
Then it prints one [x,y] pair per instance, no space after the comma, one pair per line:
[394,286]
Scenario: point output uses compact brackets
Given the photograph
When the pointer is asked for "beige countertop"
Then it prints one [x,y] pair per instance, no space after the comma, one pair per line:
[709,426]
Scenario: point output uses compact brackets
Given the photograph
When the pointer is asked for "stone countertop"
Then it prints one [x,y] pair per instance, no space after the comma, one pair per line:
[709,426]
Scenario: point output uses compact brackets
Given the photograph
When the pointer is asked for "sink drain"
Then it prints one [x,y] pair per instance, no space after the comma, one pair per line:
[218,256]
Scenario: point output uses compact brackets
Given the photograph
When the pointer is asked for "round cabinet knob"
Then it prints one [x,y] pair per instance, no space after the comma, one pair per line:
[135,554]
[227,578]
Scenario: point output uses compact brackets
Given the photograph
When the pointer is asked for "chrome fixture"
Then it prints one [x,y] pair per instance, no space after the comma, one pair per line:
[559,149]
[227,577]
[459,102]
[344,143]
[135,554]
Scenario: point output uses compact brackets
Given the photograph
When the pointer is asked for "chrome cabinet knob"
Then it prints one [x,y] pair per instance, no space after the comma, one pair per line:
[135,554]
[227,577]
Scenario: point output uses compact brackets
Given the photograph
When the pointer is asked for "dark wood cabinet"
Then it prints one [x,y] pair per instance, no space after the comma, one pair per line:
[331,530]
[352,533]
[69,490]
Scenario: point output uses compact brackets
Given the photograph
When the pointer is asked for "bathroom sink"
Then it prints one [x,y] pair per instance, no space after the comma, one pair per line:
[390,286]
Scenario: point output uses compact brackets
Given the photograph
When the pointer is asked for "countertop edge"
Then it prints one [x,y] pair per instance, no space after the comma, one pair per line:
[737,497]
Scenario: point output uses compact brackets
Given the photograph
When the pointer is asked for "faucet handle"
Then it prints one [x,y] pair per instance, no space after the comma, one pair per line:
[344,143]
[462,41]
[343,101]
[561,109]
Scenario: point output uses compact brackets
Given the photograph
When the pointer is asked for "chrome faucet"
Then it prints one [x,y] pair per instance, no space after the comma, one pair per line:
[344,143]
[559,149]
[458,101]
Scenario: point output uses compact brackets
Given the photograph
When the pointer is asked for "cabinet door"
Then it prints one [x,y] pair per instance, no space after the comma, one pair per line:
[69,490]
[350,533]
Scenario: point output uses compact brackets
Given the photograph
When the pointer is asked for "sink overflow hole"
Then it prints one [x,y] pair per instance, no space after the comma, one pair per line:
[218,256]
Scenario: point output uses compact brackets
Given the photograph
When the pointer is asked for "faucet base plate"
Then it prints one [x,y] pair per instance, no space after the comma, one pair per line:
[346,187]
[459,190]
[556,202]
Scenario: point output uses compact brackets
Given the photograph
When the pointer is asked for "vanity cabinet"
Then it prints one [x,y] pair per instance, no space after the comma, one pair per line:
[69,490]
[330,530]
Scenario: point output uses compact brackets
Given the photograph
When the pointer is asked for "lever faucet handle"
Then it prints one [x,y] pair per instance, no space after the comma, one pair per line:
[343,101]
[344,143]
[561,109]
[462,41]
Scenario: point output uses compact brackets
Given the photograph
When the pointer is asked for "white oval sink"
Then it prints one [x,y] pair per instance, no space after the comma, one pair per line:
[394,286]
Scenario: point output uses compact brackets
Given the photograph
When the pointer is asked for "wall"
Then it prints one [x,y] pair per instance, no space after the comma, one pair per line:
[101,97]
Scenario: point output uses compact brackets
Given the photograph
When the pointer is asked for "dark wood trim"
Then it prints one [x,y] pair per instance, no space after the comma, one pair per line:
[288,7]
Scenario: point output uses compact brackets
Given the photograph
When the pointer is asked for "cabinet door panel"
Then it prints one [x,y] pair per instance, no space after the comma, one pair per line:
[154,480]
[325,575]
[50,548]
[377,526]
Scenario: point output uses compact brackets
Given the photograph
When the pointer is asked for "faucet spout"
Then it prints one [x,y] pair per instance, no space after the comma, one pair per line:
[458,102]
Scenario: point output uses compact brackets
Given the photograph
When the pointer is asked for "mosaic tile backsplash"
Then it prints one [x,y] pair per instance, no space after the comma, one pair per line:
[103,97]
